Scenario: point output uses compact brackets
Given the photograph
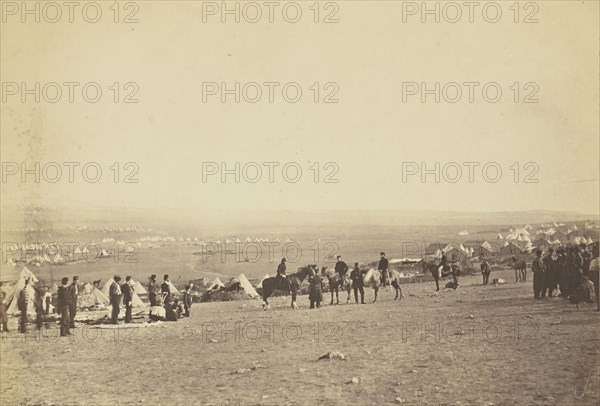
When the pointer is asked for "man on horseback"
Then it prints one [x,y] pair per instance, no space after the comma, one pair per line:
[383,267]
[281,275]
[443,264]
[341,268]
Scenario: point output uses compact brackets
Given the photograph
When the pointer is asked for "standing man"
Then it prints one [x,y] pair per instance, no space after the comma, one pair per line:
[341,268]
[3,316]
[115,297]
[187,299]
[549,274]
[165,288]
[73,296]
[383,267]
[587,259]
[595,272]
[485,270]
[63,307]
[22,305]
[38,303]
[357,284]
[127,291]
[315,293]
[152,291]
[537,267]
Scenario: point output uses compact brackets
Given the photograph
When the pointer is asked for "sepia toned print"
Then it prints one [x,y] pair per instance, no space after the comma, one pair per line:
[303,202]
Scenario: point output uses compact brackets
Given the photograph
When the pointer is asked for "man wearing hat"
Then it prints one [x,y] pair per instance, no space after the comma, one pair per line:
[63,307]
[340,267]
[3,316]
[587,259]
[73,291]
[357,284]
[115,296]
[165,288]
[383,266]
[127,291]
[550,277]
[22,305]
[537,267]
[152,291]
[281,269]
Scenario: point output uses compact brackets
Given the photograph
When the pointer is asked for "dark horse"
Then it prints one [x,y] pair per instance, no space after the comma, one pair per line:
[290,283]
[336,283]
[434,269]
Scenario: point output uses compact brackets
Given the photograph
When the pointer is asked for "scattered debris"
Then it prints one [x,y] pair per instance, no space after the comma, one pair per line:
[470,316]
[354,380]
[399,400]
[333,355]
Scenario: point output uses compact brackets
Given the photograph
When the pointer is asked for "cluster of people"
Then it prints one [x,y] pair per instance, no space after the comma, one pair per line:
[165,306]
[316,282]
[571,270]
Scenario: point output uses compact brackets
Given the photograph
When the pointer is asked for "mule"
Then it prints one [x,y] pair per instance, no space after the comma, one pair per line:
[520,267]
[434,269]
[291,283]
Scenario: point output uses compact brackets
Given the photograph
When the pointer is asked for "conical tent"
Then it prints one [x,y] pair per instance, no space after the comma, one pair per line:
[139,288]
[259,284]
[174,290]
[17,288]
[98,297]
[136,301]
[216,284]
[247,286]
[26,273]
[106,287]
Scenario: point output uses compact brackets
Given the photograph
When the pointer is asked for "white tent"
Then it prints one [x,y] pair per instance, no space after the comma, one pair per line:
[14,299]
[26,273]
[136,301]
[106,287]
[247,286]
[216,283]
[138,287]
[98,297]
[259,284]
[500,236]
[174,290]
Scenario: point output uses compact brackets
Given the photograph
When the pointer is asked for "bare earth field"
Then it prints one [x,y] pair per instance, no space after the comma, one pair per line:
[478,345]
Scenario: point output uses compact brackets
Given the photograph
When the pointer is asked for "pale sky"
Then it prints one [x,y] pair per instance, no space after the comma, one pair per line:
[368,134]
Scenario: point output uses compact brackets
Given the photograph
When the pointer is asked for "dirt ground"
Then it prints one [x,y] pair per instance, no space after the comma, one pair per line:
[478,345]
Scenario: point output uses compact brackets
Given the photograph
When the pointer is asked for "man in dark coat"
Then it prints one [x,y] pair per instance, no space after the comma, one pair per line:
[115,296]
[187,300]
[152,291]
[537,267]
[165,288]
[127,291]
[73,291]
[3,316]
[549,274]
[38,303]
[357,284]
[281,273]
[587,259]
[315,293]
[383,266]
[340,267]
[63,307]
[23,303]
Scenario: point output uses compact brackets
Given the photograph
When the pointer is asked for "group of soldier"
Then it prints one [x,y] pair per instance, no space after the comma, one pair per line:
[572,270]
[316,282]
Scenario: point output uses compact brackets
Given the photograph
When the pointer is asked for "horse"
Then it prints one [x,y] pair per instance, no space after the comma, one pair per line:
[434,269]
[394,280]
[336,283]
[290,283]
[520,267]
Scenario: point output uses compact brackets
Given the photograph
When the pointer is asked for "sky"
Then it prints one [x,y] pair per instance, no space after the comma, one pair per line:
[369,147]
